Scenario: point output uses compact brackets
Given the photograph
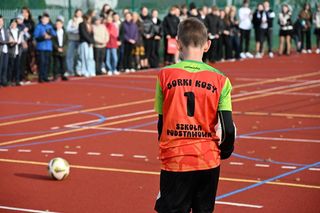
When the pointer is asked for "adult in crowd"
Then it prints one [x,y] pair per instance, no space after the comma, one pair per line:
[306,21]
[316,21]
[130,33]
[267,28]
[212,22]
[15,51]
[245,16]
[4,55]
[234,33]
[43,34]
[86,63]
[73,40]
[60,44]
[286,28]
[146,36]
[105,11]
[256,21]
[111,47]
[156,38]
[170,27]
[139,53]
[101,38]
[225,33]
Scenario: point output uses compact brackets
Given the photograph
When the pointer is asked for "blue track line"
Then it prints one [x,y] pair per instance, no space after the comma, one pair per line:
[267,181]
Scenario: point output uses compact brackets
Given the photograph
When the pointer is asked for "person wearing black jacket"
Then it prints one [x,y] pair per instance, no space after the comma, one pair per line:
[212,22]
[157,34]
[170,27]
[256,21]
[86,64]
[266,27]
[225,34]
[147,36]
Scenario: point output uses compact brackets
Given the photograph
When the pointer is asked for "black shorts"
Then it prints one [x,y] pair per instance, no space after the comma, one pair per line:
[257,34]
[285,33]
[183,191]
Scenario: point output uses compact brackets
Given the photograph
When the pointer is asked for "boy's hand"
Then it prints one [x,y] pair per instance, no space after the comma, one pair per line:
[168,36]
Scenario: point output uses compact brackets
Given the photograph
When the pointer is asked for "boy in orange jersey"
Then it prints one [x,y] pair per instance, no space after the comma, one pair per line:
[190,96]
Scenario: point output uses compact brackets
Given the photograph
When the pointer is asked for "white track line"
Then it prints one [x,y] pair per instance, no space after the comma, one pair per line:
[4,150]
[47,151]
[124,129]
[94,153]
[110,118]
[236,163]
[278,89]
[116,155]
[314,169]
[24,150]
[262,165]
[288,167]
[24,210]
[301,140]
[239,204]
[139,156]
[70,153]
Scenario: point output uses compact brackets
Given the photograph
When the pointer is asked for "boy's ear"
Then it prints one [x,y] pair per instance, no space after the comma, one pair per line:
[179,45]
[206,46]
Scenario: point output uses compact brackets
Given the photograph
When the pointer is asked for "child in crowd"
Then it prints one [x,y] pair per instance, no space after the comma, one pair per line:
[316,21]
[60,43]
[4,55]
[111,47]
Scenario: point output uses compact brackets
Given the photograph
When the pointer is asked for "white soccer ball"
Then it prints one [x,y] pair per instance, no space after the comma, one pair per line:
[58,168]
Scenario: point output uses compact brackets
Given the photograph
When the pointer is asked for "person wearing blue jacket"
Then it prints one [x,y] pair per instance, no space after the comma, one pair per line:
[43,34]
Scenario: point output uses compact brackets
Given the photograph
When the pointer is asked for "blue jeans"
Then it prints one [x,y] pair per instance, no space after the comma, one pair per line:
[111,59]
[44,61]
[86,65]
[71,53]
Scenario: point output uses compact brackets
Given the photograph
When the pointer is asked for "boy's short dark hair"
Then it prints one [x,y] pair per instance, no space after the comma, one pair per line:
[192,32]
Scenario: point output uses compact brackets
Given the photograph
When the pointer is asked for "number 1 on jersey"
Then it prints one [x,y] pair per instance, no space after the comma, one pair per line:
[190,103]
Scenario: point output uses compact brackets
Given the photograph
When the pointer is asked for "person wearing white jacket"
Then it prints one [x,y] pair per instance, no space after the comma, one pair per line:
[245,16]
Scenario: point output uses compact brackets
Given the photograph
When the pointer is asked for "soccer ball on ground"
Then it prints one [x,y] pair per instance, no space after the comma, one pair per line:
[58,168]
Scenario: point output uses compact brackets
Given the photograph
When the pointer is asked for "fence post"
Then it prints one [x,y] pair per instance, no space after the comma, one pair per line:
[69,9]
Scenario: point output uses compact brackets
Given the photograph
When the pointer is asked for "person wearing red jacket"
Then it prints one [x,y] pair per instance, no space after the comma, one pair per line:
[112,46]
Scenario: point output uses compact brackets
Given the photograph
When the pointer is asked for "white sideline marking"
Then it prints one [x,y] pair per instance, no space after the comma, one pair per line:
[116,155]
[140,156]
[55,127]
[281,139]
[110,118]
[125,129]
[288,167]
[47,151]
[94,153]
[239,204]
[236,163]
[4,150]
[262,165]
[24,210]
[314,169]
[24,150]
[70,153]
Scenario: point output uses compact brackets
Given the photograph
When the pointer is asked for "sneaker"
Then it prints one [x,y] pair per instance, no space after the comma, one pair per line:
[258,55]
[249,55]
[304,51]
[109,73]
[64,78]
[103,70]
[318,51]
[132,70]
[271,54]
[309,51]
[242,55]
[126,70]
[116,72]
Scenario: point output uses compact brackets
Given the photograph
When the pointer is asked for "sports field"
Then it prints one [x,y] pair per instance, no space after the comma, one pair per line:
[106,128]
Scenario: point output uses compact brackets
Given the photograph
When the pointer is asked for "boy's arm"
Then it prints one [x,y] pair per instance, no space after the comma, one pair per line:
[158,107]
[227,126]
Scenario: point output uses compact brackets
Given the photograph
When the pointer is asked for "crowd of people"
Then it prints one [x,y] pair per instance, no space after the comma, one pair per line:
[106,42]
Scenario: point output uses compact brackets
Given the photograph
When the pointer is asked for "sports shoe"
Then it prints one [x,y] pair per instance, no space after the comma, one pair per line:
[243,55]
[304,51]
[318,51]
[116,72]
[309,51]
[249,55]
[271,54]
[132,70]
[126,70]
[103,70]
[258,55]
[109,73]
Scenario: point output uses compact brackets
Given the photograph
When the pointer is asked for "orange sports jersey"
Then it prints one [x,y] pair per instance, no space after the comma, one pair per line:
[188,95]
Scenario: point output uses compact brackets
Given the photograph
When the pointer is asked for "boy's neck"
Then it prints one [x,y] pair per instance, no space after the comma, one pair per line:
[192,54]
